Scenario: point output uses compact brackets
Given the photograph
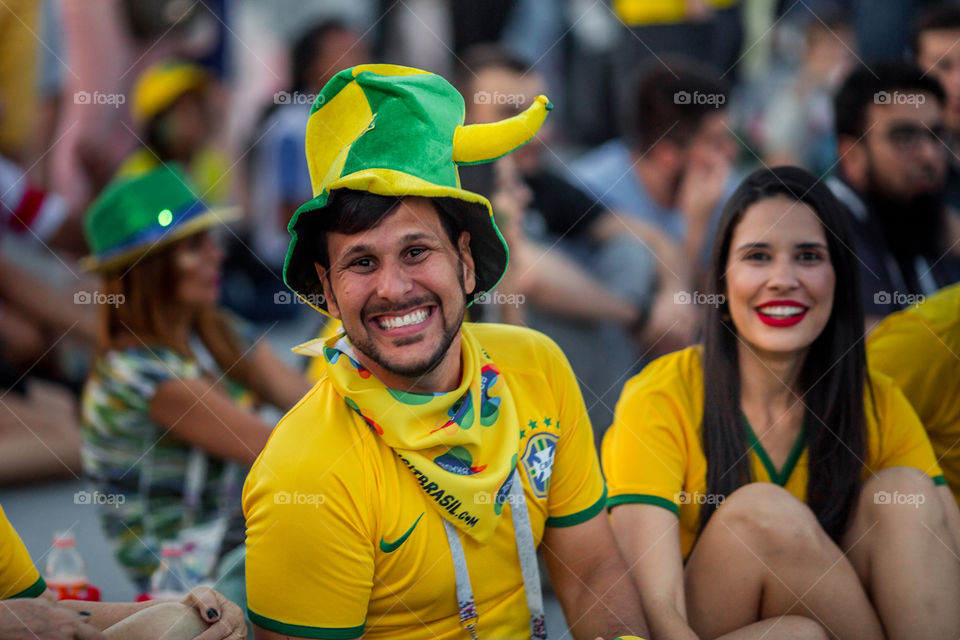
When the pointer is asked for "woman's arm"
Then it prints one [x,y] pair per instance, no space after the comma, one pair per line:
[649,539]
[200,414]
[274,381]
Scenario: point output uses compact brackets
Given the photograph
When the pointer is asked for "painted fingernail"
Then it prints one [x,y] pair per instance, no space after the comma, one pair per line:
[212,613]
[84,613]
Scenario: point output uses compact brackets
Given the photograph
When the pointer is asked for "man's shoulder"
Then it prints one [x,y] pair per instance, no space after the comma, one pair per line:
[319,430]
[515,348]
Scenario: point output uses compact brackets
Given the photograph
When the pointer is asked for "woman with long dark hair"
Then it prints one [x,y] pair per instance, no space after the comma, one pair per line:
[767,483]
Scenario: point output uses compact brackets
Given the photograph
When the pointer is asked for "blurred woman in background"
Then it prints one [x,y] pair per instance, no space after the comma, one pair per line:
[168,410]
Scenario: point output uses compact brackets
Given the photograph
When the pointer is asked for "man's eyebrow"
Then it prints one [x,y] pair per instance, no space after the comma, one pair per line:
[366,248]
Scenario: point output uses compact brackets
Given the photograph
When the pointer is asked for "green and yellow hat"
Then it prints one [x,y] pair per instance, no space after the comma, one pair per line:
[138,215]
[398,131]
[160,85]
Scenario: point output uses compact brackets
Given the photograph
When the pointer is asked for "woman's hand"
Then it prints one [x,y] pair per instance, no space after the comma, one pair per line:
[224,617]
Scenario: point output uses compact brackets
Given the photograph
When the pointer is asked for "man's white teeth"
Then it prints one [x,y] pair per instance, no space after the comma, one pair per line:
[414,317]
[782,312]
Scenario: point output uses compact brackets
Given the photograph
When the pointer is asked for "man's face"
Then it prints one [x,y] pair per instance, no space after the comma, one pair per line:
[400,289]
[713,141]
[906,155]
[938,54]
[500,93]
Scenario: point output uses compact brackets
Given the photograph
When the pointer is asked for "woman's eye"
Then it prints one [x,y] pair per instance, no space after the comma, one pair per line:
[759,256]
[810,256]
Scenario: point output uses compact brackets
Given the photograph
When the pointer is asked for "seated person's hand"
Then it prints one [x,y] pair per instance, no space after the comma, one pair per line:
[225,618]
[39,619]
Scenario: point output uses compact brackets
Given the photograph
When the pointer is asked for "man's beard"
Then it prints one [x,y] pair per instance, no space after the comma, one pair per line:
[911,226]
[368,347]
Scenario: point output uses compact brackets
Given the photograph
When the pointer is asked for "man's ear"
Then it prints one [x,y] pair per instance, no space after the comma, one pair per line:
[853,161]
[324,276]
[466,262]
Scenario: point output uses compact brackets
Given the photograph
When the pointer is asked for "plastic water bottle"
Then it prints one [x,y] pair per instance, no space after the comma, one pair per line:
[169,581]
[65,572]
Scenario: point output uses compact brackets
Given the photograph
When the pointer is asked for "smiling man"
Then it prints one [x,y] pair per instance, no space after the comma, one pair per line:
[406,494]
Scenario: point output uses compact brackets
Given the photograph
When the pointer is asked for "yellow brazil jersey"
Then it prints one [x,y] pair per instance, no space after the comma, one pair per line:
[653,453]
[341,540]
[920,349]
[18,576]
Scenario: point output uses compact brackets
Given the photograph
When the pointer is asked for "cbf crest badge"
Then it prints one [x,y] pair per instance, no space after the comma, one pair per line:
[538,462]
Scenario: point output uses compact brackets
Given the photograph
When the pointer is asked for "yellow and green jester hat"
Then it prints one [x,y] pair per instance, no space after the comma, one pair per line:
[398,131]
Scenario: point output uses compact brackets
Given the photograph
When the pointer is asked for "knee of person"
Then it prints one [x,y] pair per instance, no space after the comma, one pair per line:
[771,519]
[802,628]
[164,621]
[902,494]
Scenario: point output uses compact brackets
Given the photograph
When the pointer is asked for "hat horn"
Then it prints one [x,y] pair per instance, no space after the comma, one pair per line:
[476,143]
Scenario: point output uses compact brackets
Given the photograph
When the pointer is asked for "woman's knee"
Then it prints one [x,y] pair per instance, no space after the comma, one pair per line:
[902,495]
[771,521]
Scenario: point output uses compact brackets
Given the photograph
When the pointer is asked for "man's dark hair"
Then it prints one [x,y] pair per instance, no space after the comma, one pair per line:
[481,57]
[307,48]
[938,17]
[352,212]
[669,102]
[875,85]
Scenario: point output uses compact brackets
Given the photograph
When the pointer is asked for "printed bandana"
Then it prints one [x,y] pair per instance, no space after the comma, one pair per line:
[461,446]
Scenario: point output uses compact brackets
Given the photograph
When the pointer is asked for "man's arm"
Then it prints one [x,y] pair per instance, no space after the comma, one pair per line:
[592,581]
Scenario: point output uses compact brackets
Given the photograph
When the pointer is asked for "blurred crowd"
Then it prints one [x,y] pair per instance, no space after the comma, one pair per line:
[129,377]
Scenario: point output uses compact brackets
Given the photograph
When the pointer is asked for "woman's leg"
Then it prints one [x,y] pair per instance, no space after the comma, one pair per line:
[781,628]
[164,621]
[764,555]
[901,547]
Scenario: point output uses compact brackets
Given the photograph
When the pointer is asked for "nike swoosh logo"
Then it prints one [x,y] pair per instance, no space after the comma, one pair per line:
[390,547]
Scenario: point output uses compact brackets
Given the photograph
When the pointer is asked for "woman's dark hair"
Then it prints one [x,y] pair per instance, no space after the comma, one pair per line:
[832,379]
